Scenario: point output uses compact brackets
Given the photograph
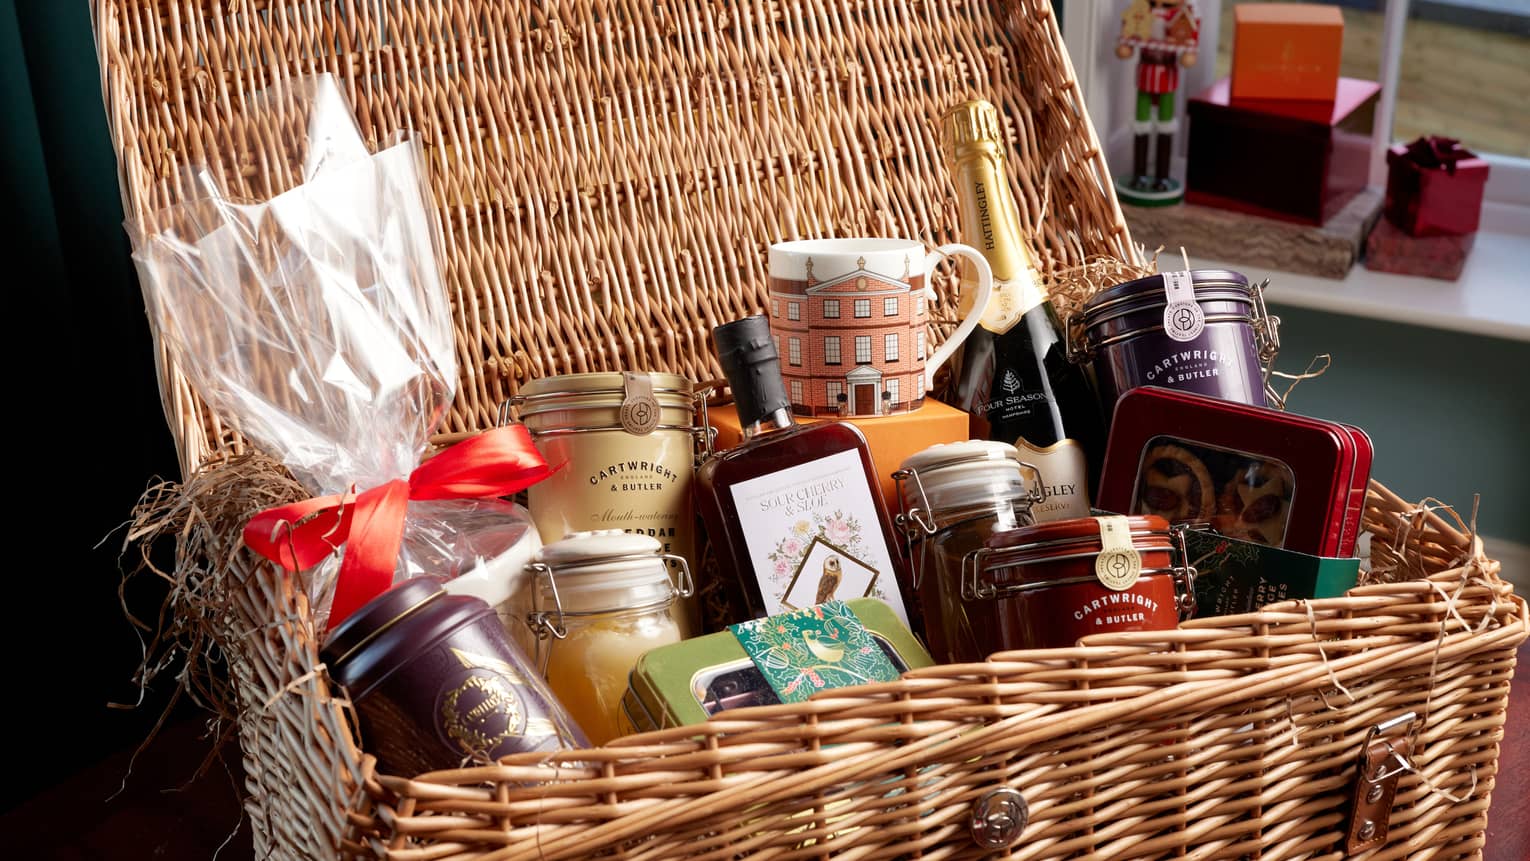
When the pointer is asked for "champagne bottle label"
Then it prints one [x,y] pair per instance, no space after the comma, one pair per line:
[1012,298]
[1064,474]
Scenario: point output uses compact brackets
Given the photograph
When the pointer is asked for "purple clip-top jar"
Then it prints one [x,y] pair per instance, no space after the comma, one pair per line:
[435,682]
[1125,341]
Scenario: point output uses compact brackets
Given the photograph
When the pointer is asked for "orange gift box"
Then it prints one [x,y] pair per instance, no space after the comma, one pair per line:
[1286,51]
[892,438]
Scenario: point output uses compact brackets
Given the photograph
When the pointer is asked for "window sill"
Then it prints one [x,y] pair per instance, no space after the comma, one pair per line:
[1491,298]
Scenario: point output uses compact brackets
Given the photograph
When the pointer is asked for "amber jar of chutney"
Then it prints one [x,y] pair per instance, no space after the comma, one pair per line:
[437,684]
[952,497]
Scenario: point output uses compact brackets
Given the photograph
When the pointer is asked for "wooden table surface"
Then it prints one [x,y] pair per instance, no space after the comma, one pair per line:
[1508,832]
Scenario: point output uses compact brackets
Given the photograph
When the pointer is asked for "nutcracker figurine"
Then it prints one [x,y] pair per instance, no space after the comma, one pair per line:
[1164,34]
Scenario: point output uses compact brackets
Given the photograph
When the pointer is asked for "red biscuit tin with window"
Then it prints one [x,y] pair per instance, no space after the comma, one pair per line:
[1253,473]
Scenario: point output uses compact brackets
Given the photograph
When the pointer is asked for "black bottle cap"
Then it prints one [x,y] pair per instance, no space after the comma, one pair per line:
[753,367]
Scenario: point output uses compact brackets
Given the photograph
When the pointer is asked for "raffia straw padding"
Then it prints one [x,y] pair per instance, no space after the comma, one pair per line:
[607,178]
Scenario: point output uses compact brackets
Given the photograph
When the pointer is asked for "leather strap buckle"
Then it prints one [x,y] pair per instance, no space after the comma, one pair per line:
[1384,758]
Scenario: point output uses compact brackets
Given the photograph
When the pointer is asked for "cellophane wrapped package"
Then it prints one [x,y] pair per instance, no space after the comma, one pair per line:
[314,320]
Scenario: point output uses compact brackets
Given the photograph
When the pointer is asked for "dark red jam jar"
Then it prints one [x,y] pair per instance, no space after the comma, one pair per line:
[1052,583]
[436,683]
[1126,345]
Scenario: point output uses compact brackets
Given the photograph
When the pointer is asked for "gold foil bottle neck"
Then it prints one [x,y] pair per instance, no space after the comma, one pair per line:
[987,211]
[969,123]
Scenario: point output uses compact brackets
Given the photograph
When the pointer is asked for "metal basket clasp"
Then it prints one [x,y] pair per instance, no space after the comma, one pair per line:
[1184,574]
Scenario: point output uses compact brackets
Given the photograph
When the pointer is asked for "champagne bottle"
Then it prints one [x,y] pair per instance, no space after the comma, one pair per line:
[1013,375]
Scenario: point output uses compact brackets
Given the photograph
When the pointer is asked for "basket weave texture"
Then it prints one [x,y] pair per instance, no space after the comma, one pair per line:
[607,176]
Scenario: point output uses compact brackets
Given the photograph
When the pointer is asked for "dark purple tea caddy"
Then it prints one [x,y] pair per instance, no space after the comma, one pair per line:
[436,683]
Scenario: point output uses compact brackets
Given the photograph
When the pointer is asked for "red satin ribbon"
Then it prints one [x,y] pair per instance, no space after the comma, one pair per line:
[371,525]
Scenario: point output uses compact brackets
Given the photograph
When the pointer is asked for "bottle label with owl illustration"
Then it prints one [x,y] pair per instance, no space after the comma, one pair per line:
[813,534]
[805,651]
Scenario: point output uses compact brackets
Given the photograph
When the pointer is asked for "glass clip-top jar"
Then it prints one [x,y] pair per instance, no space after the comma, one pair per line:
[601,599]
[952,497]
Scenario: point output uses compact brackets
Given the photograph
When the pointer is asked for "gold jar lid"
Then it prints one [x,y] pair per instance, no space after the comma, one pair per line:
[602,383]
[640,402]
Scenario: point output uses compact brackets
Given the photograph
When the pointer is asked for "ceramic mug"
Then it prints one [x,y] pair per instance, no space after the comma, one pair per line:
[849,317]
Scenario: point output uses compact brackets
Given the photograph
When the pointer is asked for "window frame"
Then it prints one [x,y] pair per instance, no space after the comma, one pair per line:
[859,340]
[1089,28]
[837,352]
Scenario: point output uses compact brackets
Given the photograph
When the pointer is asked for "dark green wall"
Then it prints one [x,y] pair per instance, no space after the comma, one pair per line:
[1448,412]
[82,395]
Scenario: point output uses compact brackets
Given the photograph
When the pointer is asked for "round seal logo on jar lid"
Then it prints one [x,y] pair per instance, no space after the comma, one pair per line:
[1184,320]
[640,410]
[1118,566]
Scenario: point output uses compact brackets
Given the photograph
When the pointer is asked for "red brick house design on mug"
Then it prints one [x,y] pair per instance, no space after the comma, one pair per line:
[853,344]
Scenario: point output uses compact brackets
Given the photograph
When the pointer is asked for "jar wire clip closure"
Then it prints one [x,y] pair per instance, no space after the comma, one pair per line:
[974,588]
[639,413]
[549,624]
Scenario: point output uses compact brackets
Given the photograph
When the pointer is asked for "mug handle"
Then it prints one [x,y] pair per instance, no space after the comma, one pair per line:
[984,288]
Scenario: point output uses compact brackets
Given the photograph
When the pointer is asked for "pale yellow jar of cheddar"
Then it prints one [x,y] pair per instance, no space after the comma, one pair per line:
[625,445]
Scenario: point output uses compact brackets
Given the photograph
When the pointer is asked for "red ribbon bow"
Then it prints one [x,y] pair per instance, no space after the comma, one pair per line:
[371,525]
[1433,152]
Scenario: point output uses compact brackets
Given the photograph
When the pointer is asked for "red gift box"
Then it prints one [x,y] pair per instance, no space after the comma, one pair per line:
[1434,187]
[1281,158]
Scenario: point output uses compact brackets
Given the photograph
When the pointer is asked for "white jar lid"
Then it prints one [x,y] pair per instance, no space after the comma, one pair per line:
[956,474]
[577,548]
[604,569]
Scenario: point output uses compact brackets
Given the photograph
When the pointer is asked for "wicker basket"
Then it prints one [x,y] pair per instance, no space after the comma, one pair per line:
[607,176]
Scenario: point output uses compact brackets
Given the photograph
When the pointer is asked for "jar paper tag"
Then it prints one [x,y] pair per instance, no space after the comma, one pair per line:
[1118,565]
[1183,318]
[640,410]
